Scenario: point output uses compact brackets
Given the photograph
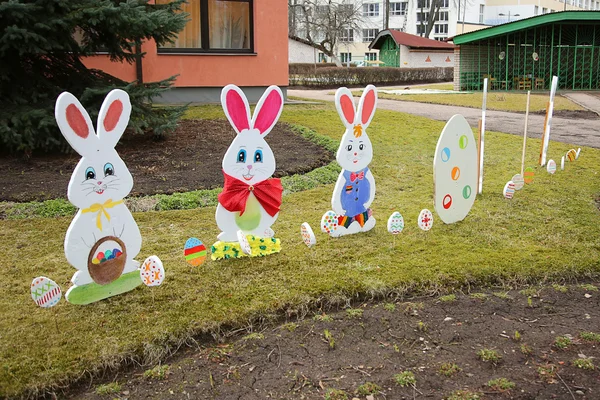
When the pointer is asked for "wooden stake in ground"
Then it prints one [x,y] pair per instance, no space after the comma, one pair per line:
[525,134]
[548,123]
[482,135]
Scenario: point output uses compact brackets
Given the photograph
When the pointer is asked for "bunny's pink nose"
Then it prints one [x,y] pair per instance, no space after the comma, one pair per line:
[355,153]
[249,167]
[99,182]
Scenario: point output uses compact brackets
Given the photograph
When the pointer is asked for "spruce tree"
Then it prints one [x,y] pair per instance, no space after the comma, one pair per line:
[42,43]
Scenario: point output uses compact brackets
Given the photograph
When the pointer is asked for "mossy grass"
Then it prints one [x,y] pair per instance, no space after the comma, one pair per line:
[500,101]
[501,384]
[544,228]
[405,378]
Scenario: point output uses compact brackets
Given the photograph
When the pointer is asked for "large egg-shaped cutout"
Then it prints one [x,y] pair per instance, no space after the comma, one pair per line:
[571,155]
[455,171]
[425,220]
[45,292]
[194,251]
[509,190]
[329,222]
[551,167]
[395,223]
[528,175]
[152,271]
[519,181]
[308,236]
[244,244]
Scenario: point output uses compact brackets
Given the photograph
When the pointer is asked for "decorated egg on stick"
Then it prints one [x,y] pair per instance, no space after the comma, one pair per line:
[425,220]
[152,271]
[194,251]
[308,236]
[45,292]
[395,223]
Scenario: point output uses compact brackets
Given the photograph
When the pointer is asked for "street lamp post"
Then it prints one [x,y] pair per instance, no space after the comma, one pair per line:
[504,15]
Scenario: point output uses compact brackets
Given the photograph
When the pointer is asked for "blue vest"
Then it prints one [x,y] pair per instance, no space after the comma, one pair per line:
[355,193]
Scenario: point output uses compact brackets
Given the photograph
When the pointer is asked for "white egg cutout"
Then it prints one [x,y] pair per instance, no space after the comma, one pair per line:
[455,171]
[551,167]
[395,223]
[45,292]
[152,271]
[329,222]
[519,181]
[509,190]
[425,220]
[308,236]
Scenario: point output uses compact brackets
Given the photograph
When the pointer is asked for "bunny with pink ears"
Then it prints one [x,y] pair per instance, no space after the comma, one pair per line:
[103,238]
[355,188]
[250,201]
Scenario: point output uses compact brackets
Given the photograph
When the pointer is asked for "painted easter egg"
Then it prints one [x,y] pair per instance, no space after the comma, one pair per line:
[577,154]
[551,167]
[45,292]
[395,223]
[509,190]
[571,155]
[455,171]
[425,219]
[152,271]
[528,175]
[308,236]
[194,251]
[329,222]
[519,181]
[562,163]
[243,240]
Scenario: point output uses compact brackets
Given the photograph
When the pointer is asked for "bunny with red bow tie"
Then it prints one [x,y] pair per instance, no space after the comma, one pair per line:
[355,187]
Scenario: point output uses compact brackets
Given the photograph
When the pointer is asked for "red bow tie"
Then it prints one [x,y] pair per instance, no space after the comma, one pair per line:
[354,176]
[235,194]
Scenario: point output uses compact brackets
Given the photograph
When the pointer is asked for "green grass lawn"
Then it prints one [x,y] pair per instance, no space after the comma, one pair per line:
[548,231]
[501,101]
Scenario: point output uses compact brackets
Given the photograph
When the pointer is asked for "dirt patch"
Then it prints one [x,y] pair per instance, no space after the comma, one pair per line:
[188,159]
[448,345]
[572,114]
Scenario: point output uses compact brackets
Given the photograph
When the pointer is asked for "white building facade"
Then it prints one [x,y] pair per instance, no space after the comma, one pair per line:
[455,17]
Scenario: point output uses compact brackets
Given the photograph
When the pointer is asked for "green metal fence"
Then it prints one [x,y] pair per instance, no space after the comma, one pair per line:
[527,59]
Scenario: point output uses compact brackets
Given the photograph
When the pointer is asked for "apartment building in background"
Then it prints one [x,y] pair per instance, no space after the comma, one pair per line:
[454,17]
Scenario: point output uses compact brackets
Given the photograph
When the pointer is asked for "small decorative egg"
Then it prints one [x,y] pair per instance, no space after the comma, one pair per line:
[519,181]
[45,292]
[100,256]
[562,163]
[246,249]
[571,155]
[395,223]
[551,167]
[308,236]
[194,251]
[108,254]
[152,271]
[509,190]
[528,175]
[425,219]
[329,222]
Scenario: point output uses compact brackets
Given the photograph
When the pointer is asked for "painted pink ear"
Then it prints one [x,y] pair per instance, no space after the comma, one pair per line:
[76,121]
[269,112]
[368,107]
[236,108]
[112,115]
[347,106]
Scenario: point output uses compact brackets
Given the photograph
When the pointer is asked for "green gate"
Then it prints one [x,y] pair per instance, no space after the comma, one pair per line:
[390,53]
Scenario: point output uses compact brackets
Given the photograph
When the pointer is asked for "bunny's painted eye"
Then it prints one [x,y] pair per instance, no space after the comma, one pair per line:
[90,173]
[109,169]
[241,157]
[349,147]
[258,156]
[361,146]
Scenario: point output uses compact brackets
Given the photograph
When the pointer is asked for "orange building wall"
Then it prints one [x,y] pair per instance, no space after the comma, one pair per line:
[269,66]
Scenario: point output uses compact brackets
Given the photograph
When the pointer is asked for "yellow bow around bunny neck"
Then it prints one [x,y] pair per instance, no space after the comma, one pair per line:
[101,209]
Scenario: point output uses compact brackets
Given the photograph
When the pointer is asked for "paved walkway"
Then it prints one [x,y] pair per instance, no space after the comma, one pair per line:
[591,102]
[582,132]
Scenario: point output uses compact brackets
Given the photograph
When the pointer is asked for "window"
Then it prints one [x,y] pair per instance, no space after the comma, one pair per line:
[422,17]
[398,8]
[322,58]
[423,4]
[544,10]
[552,11]
[323,10]
[215,26]
[369,35]
[443,16]
[346,9]
[347,35]
[371,10]
[445,3]
[370,56]
[481,9]
[421,29]
[345,57]
[536,10]
[440,29]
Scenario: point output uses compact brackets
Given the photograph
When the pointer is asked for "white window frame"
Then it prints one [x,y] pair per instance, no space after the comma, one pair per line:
[369,34]
[398,8]
[371,10]
[347,36]
[345,58]
[371,56]
[481,13]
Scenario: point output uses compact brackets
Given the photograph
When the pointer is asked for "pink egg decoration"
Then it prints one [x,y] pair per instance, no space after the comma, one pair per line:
[152,271]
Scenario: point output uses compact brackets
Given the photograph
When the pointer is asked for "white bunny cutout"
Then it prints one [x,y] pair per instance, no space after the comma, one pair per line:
[250,200]
[355,187]
[100,181]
